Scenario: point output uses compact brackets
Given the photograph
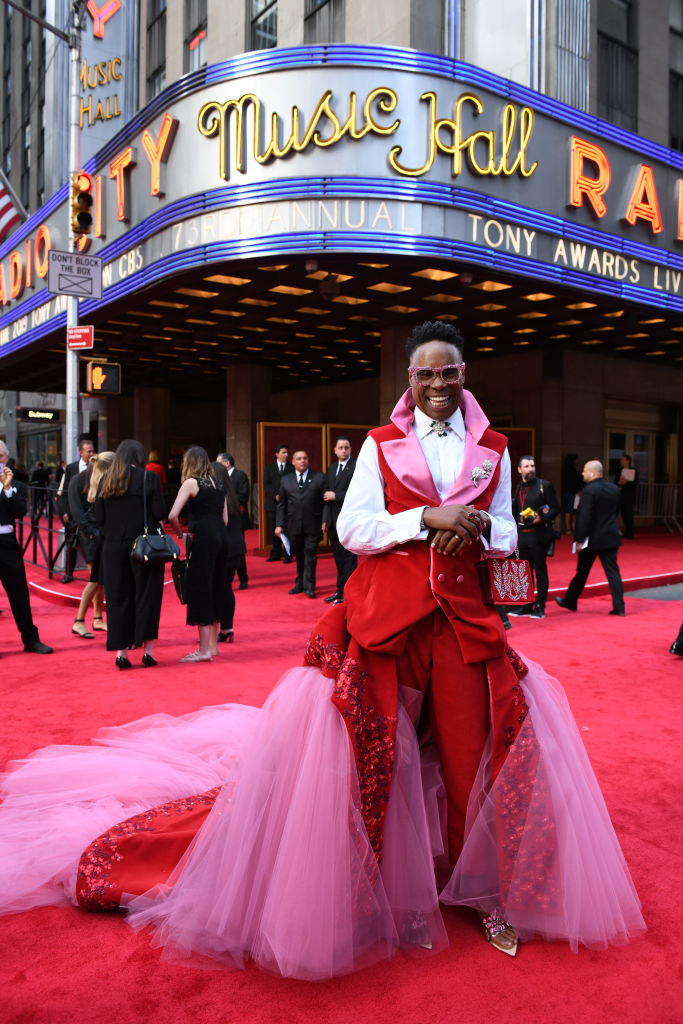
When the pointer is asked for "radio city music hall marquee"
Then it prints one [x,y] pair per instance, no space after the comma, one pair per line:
[408,155]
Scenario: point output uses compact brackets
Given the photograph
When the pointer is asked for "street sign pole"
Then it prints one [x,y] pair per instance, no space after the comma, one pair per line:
[72,302]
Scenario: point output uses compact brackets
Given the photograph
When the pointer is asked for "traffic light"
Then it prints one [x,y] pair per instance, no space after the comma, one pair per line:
[103,378]
[81,203]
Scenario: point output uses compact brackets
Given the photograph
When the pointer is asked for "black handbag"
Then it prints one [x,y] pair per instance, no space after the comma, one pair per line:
[179,576]
[153,548]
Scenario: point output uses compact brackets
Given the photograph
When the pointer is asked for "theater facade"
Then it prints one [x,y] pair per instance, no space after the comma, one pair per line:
[271,228]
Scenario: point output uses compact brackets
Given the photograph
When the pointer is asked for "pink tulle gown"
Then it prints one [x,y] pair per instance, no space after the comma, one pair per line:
[272,862]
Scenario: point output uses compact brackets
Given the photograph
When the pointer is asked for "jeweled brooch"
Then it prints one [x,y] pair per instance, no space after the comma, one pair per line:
[482,472]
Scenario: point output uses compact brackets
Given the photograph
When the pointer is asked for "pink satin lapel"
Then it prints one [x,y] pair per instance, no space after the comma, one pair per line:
[465,491]
[406,460]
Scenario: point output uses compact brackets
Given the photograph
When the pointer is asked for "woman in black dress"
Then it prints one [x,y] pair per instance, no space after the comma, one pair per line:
[133,591]
[207,548]
[236,552]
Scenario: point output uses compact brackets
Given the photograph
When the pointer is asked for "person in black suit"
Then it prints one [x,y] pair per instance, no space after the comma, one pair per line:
[240,483]
[12,573]
[299,516]
[534,531]
[133,592]
[337,480]
[86,450]
[626,479]
[596,520]
[272,478]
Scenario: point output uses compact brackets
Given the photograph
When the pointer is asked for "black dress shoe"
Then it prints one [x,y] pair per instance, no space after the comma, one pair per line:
[288,559]
[67,579]
[37,648]
[226,636]
[338,600]
[562,604]
[332,599]
[309,593]
[676,648]
[272,558]
[122,662]
[244,585]
[296,589]
[148,661]
[615,612]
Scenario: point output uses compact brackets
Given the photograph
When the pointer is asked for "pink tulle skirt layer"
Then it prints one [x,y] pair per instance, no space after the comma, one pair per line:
[282,871]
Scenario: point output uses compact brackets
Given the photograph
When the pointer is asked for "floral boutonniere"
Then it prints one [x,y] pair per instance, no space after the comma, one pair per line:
[482,472]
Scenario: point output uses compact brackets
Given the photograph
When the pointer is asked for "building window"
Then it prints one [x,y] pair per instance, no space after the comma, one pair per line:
[195,35]
[262,24]
[324,21]
[676,74]
[617,64]
[156,47]
[7,95]
[26,166]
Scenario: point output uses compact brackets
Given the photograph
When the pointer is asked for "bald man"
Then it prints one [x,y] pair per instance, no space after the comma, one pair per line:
[596,520]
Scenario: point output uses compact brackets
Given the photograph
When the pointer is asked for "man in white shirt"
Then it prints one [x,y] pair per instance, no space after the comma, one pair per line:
[337,479]
[86,450]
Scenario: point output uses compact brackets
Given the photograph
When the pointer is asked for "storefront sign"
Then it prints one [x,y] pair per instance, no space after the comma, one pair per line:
[39,415]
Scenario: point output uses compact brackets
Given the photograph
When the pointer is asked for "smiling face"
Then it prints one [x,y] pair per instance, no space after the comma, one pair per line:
[438,400]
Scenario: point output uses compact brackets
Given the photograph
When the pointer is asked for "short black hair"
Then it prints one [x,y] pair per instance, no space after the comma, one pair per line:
[230,458]
[522,458]
[342,437]
[435,330]
[279,447]
[625,456]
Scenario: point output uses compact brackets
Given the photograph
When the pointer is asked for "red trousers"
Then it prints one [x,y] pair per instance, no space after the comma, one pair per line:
[457,697]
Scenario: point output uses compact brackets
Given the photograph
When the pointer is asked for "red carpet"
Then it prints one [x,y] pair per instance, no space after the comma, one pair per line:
[61,965]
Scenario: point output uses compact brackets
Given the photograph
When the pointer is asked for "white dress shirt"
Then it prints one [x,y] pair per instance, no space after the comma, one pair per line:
[366,527]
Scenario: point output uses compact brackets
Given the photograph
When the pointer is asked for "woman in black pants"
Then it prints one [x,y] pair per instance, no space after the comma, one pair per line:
[207,548]
[133,592]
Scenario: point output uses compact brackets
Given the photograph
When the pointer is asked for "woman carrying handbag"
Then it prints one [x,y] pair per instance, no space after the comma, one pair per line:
[207,548]
[133,591]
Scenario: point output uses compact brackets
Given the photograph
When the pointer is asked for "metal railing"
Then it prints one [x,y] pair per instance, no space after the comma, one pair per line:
[660,503]
[43,535]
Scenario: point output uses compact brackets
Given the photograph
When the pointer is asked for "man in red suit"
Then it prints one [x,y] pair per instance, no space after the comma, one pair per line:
[429,499]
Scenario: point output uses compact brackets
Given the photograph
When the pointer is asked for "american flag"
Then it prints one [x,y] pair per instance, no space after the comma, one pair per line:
[9,217]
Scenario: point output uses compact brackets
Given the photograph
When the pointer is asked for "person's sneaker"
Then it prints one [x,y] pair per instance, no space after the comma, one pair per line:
[538,612]
[522,609]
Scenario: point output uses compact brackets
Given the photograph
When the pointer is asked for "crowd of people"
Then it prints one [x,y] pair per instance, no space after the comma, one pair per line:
[99,498]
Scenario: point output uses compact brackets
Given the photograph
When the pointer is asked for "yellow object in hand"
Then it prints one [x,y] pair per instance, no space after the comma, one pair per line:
[528,513]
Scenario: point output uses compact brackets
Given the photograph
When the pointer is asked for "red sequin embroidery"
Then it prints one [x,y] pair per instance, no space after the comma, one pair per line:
[325,656]
[372,734]
[93,883]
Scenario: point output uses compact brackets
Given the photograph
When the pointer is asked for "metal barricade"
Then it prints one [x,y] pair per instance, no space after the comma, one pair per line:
[43,535]
[660,503]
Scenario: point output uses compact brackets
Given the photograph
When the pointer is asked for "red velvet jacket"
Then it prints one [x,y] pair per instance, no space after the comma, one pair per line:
[393,590]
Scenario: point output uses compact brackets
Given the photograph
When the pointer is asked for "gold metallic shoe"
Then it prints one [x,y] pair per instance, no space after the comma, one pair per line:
[499,932]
